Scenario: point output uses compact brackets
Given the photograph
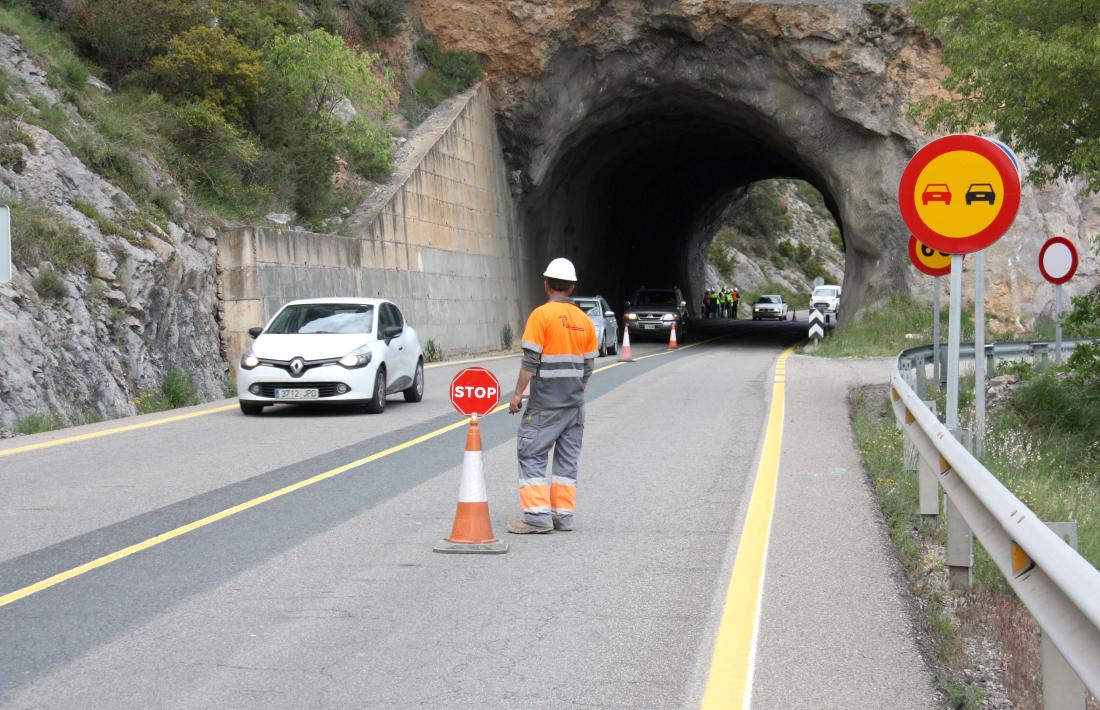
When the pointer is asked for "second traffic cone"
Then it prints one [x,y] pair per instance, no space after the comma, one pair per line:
[624,351]
[472,530]
[672,344]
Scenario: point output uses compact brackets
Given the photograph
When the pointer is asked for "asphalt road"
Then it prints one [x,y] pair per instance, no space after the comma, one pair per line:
[330,596]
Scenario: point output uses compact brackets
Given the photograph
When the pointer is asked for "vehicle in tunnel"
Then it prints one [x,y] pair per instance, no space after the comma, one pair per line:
[601,315]
[653,312]
[770,305]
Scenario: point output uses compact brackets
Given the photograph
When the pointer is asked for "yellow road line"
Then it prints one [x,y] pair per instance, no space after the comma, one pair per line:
[191,415]
[241,507]
[729,684]
[116,430]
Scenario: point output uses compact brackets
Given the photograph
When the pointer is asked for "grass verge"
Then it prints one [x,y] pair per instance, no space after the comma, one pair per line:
[961,624]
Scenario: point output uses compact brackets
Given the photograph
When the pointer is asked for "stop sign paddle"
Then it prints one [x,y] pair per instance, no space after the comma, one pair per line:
[475,392]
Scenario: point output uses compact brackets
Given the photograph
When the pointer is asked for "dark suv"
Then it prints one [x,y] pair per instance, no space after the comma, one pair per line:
[652,311]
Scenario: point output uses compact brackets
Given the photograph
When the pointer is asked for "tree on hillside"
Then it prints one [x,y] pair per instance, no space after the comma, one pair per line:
[1027,70]
[309,76]
[123,35]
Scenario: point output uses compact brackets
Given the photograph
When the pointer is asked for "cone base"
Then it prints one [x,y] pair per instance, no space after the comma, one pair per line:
[447,547]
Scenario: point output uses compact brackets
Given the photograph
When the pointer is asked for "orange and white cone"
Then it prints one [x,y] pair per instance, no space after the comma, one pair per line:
[473,530]
[672,344]
[624,351]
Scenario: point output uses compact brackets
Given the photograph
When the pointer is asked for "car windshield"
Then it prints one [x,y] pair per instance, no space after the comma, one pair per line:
[824,292]
[320,318]
[769,299]
[589,306]
[655,298]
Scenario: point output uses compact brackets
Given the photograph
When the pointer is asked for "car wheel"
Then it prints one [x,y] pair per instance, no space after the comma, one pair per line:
[415,392]
[377,403]
[602,350]
[614,346]
[251,409]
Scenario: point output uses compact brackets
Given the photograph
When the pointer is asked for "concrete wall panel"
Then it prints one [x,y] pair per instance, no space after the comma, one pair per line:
[440,241]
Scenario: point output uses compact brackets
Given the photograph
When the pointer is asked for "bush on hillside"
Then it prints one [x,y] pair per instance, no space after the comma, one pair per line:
[207,66]
[39,234]
[380,18]
[448,72]
[49,285]
[761,212]
[257,23]
[122,35]
[366,147]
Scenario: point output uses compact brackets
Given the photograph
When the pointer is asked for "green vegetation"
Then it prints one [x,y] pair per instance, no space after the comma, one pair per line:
[36,423]
[886,328]
[380,18]
[718,253]
[39,234]
[1026,71]
[432,351]
[177,390]
[506,337]
[49,285]
[762,213]
[236,98]
[448,71]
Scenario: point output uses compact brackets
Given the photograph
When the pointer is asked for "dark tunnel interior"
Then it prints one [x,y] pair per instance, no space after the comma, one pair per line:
[635,196]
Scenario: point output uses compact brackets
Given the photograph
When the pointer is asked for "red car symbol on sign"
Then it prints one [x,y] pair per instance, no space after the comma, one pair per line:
[936,192]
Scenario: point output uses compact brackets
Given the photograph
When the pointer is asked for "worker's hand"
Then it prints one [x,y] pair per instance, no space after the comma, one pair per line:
[516,405]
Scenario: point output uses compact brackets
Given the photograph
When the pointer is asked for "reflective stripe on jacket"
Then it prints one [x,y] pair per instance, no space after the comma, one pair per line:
[560,338]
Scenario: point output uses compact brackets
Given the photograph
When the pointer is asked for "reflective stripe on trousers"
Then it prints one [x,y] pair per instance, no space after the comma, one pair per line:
[546,499]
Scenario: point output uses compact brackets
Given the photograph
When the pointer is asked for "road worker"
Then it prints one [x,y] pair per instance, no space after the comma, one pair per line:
[736,302]
[559,354]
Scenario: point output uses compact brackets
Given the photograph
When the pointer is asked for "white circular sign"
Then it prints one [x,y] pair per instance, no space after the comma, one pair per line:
[1058,260]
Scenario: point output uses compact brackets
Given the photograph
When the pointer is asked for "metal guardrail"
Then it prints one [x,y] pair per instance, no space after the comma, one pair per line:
[1058,586]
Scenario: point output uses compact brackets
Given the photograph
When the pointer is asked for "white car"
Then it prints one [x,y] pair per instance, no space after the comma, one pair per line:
[826,299]
[769,306]
[601,315]
[332,350]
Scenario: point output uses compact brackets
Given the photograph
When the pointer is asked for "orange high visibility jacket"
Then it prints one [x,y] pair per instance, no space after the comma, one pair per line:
[559,344]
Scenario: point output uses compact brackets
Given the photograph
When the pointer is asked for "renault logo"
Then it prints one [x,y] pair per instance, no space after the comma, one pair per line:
[296,366]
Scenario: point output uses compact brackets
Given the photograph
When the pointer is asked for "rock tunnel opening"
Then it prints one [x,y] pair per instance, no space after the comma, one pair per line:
[635,195]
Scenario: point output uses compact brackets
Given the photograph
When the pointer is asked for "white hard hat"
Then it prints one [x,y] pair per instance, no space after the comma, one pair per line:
[561,269]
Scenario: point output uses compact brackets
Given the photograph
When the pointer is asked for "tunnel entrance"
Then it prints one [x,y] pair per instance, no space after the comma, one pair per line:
[636,194]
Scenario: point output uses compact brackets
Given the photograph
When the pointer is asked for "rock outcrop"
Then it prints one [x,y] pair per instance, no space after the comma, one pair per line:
[593,92]
[144,301]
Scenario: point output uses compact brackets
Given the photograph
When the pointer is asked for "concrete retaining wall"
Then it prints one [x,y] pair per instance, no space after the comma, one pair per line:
[439,240]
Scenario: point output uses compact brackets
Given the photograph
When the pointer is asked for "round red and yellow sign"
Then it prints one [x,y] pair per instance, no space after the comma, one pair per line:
[928,260]
[959,194]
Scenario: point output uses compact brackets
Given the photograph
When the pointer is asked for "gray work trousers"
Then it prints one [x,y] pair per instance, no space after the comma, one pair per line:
[543,499]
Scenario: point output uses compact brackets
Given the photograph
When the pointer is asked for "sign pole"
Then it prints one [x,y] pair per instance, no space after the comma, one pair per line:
[979,351]
[954,336]
[1058,324]
[5,244]
[937,364]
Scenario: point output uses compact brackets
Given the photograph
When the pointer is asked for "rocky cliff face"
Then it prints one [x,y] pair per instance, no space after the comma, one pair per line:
[719,94]
[141,298]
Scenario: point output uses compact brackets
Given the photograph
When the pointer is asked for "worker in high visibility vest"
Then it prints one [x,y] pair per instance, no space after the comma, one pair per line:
[736,302]
[559,354]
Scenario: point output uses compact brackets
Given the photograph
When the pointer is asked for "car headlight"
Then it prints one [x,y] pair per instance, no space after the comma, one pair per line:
[360,357]
[249,361]
[668,316]
[631,316]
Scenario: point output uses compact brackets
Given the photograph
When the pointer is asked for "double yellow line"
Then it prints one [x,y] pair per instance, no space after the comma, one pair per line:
[729,684]
[105,560]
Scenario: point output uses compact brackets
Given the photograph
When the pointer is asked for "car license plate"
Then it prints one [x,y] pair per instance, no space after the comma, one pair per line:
[297,393]
[646,326]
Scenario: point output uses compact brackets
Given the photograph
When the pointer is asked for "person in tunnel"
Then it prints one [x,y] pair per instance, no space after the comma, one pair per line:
[559,355]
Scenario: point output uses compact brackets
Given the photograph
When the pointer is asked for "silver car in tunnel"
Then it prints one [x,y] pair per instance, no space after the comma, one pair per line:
[607,328]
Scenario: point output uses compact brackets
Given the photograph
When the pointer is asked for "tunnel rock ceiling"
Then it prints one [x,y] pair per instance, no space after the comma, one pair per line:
[628,126]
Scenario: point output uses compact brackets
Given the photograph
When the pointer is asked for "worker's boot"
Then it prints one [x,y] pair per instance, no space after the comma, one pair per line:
[520,527]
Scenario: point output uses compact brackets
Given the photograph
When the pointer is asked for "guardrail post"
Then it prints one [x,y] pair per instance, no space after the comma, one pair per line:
[960,539]
[927,485]
[1040,352]
[990,360]
[921,379]
[1063,689]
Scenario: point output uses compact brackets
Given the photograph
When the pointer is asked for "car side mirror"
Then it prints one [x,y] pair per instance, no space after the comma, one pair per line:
[683,304]
[609,314]
[255,331]
[392,331]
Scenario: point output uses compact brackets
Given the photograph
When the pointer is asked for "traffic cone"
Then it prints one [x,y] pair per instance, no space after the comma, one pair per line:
[624,351]
[472,531]
[672,345]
